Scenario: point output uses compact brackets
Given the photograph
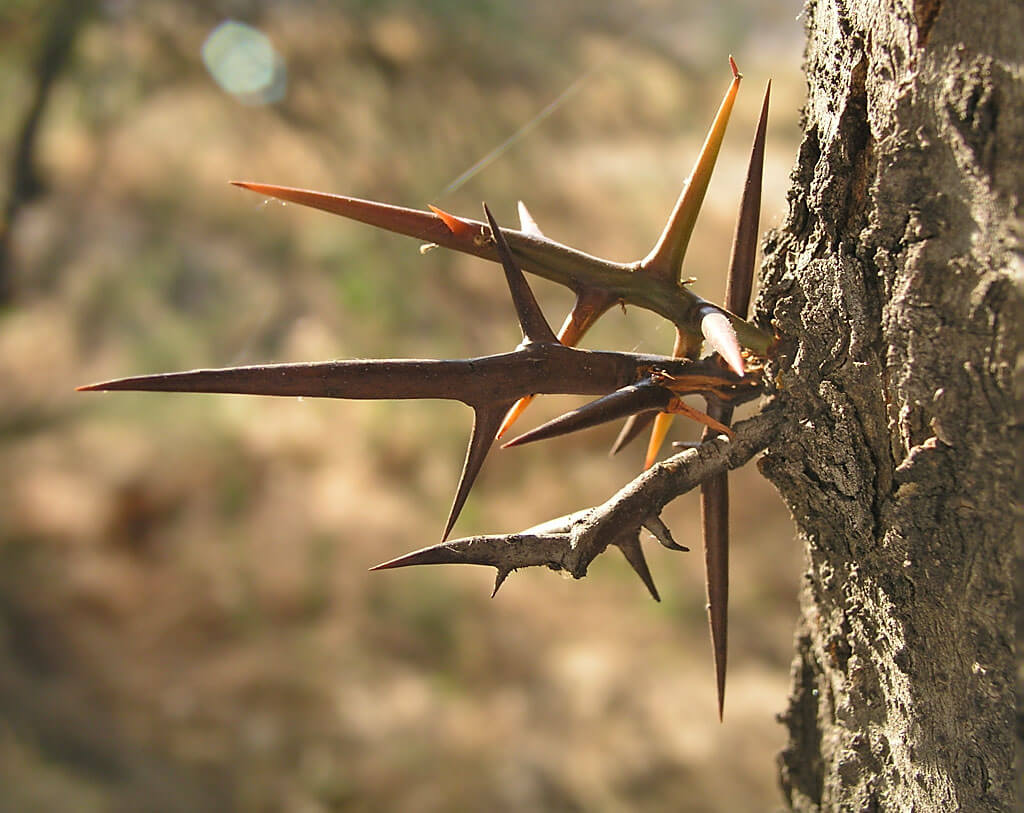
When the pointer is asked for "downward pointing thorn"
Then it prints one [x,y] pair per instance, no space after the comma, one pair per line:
[499,580]
[485,424]
[635,556]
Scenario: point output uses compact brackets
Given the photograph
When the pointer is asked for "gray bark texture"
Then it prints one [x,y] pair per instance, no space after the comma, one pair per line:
[896,284]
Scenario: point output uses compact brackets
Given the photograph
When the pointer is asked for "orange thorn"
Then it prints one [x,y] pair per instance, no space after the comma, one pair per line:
[513,414]
[679,407]
[666,258]
[457,226]
[685,346]
[662,423]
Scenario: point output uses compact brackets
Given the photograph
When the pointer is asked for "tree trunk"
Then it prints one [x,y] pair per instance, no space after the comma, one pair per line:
[896,284]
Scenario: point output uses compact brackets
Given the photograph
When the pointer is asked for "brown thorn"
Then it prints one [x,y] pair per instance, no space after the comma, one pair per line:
[659,530]
[402,220]
[630,547]
[641,397]
[715,528]
[531,318]
[442,554]
[486,420]
[715,491]
[499,580]
[740,279]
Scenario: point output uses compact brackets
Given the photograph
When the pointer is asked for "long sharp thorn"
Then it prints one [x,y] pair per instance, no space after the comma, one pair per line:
[744,245]
[343,379]
[634,554]
[428,227]
[625,401]
[666,258]
[540,255]
[443,554]
[715,326]
[362,379]
[715,492]
[531,318]
[715,524]
[485,423]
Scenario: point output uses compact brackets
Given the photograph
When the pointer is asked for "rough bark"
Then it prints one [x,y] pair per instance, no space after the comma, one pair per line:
[897,283]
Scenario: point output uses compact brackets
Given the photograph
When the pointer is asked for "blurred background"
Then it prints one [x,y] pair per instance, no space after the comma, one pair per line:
[186,620]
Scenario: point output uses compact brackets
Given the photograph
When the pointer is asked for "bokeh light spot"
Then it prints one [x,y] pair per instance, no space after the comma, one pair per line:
[242,60]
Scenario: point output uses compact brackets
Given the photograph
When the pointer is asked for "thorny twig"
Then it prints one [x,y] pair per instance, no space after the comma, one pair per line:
[572,542]
[641,387]
[489,384]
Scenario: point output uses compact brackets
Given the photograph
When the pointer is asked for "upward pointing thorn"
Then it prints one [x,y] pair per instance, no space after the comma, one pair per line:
[666,258]
[744,244]
[456,225]
[526,222]
[685,346]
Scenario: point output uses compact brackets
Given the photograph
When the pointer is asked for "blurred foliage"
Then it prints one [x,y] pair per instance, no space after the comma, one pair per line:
[185,618]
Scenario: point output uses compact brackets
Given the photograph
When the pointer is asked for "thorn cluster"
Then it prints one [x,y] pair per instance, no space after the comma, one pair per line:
[642,388]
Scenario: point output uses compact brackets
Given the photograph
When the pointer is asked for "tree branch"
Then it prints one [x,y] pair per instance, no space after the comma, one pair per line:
[572,542]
